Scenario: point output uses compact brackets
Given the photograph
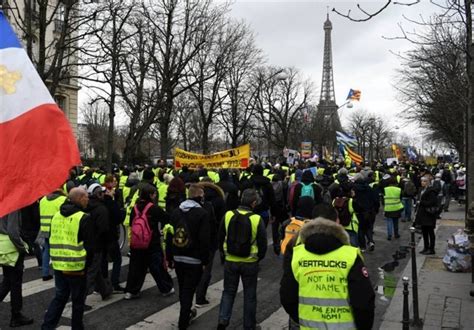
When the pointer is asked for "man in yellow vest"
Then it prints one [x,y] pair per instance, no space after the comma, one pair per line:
[48,207]
[242,241]
[69,241]
[393,207]
[12,255]
[325,284]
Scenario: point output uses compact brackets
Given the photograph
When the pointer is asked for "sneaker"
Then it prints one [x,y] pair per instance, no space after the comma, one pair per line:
[169,293]
[20,320]
[423,251]
[222,325]
[130,296]
[389,238]
[118,289]
[202,303]
[47,278]
[371,246]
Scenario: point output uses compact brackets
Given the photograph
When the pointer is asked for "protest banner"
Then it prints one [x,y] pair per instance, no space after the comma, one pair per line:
[231,158]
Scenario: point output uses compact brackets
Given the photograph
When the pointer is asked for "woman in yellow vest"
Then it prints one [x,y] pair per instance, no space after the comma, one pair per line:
[325,284]
[393,207]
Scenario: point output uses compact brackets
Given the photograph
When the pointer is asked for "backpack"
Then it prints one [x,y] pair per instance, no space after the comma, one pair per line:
[341,204]
[307,190]
[409,189]
[327,199]
[291,230]
[141,232]
[182,236]
[239,234]
[278,190]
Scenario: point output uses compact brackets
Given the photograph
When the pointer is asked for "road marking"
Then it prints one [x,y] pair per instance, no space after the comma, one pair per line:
[167,318]
[278,320]
[36,286]
[95,300]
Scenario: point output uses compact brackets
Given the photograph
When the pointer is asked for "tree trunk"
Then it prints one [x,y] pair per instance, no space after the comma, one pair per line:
[205,138]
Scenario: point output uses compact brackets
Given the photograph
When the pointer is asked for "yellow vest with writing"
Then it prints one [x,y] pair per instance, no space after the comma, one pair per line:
[323,287]
[67,253]
[48,208]
[255,220]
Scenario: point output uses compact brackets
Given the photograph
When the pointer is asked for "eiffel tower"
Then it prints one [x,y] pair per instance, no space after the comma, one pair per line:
[327,116]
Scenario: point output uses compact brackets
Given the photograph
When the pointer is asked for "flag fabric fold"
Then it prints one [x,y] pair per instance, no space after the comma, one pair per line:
[346,139]
[346,142]
[354,95]
[38,147]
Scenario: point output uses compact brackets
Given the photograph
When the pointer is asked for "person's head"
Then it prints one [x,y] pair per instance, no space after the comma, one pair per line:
[176,185]
[196,192]
[257,170]
[325,211]
[110,181]
[425,181]
[148,175]
[148,193]
[79,197]
[95,190]
[305,207]
[250,198]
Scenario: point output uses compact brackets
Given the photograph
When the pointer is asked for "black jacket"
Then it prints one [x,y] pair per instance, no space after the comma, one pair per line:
[100,222]
[155,216]
[231,192]
[321,237]
[261,237]
[427,200]
[366,200]
[306,179]
[263,184]
[197,221]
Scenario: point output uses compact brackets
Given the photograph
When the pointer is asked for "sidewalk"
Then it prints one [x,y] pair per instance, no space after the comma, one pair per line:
[444,301]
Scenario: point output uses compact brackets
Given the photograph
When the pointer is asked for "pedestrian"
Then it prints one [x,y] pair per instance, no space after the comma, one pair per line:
[231,191]
[49,206]
[408,194]
[393,207]
[242,243]
[12,254]
[175,195]
[280,213]
[427,212]
[366,202]
[307,187]
[188,249]
[71,242]
[150,257]
[99,221]
[448,178]
[323,272]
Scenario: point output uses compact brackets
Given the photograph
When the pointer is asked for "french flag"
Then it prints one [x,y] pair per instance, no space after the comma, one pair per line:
[37,145]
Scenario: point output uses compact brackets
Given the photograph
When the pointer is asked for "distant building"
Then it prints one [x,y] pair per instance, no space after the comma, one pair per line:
[84,143]
[67,91]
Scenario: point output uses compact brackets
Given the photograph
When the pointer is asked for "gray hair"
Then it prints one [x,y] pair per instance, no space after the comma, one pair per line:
[249,196]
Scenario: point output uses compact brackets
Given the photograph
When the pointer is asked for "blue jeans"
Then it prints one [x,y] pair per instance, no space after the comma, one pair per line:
[233,271]
[353,237]
[407,206]
[45,261]
[67,285]
[392,226]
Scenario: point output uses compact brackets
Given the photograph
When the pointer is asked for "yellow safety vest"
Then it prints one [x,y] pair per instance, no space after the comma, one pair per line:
[125,193]
[8,252]
[67,253]
[162,193]
[123,181]
[254,220]
[392,199]
[377,176]
[214,176]
[323,287]
[48,208]
[354,225]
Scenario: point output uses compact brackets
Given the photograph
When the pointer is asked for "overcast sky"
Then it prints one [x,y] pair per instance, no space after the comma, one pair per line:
[290,33]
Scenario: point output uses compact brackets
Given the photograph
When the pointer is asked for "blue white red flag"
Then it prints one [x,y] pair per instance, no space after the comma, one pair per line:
[37,144]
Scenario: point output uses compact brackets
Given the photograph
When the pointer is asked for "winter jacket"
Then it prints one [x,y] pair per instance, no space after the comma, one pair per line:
[231,193]
[173,200]
[155,216]
[366,197]
[428,199]
[30,222]
[197,221]
[321,237]
[10,225]
[100,222]
[261,184]
[306,179]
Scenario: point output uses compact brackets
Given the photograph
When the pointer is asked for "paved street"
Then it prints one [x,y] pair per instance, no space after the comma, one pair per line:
[154,311]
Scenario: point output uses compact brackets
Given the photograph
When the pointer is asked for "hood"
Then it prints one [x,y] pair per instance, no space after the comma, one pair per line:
[321,236]
[211,190]
[93,203]
[307,177]
[188,205]
[68,208]
[53,196]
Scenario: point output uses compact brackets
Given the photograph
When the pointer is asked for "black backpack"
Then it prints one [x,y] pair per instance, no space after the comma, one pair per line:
[239,234]
[182,236]
[341,204]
